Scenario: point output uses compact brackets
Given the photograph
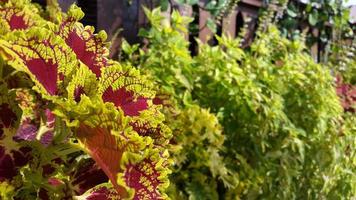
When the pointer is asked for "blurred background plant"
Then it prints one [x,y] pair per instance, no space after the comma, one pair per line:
[283,138]
[198,139]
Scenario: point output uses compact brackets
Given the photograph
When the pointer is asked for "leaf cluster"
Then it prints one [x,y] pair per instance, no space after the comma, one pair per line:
[285,134]
[73,123]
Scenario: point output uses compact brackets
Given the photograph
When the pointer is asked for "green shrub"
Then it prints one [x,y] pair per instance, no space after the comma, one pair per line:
[197,140]
[285,137]
[280,115]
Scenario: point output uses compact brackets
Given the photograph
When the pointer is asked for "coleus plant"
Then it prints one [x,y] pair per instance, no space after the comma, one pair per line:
[347,94]
[344,66]
[74,124]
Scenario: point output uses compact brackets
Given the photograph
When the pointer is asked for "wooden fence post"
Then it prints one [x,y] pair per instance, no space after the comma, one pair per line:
[113,15]
[229,24]
[249,11]
[110,15]
[187,11]
[314,50]
[65,4]
[205,33]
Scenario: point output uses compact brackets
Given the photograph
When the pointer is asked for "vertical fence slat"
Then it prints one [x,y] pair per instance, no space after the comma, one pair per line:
[250,15]
[142,19]
[65,4]
[167,13]
[229,24]
[130,20]
[204,32]
[130,17]
[110,16]
[141,14]
[110,19]
[252,26]
[315,47]
[187,11]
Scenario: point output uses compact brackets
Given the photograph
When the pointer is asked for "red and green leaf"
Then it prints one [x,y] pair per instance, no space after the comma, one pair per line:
[347,95]
[100,192]
[124,87]
[82,170]
[125,100]
[18,15]
[84,82]
[148,177]
[12,154]
[76,88]
[89,48]
[37,122]
[109,150]
[150,123]
[43,55]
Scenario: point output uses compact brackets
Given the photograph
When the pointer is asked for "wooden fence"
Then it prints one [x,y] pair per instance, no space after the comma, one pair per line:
[114,15]
[128,16]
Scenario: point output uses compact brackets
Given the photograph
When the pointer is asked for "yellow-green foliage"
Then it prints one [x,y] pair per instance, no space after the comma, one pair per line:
[197,141]
[284,135]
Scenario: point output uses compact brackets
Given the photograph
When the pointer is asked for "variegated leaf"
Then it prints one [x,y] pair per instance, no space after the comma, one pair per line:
[148,177]
[123,86]
[18,15]
[109,149]
[43,55]
[90,48]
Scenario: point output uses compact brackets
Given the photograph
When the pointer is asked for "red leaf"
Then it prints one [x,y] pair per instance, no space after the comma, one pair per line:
[15,18]
[101,192]
[84,169]
[126,101]
[42,55]
[45,72]
[347,94]
[89,47]
[103,148]
[7,116]
[143,177]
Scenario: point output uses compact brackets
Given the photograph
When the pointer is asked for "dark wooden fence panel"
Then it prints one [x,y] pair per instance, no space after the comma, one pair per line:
[110,16]
[66,3]
[127,17]
[113,15]
[229,24]
[185,10]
